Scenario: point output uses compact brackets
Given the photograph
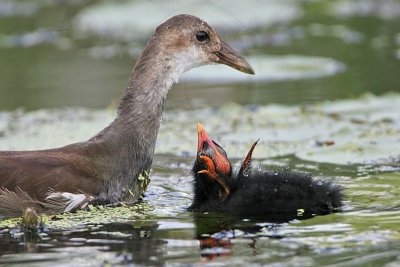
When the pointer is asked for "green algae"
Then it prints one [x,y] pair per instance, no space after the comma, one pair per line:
[10,223]
[144,180]
[96,215]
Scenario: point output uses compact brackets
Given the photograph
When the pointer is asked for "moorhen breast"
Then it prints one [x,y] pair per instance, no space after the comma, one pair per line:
[114,165]
[256,193]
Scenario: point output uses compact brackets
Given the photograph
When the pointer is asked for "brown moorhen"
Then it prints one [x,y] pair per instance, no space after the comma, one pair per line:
[113,165]
[256,193]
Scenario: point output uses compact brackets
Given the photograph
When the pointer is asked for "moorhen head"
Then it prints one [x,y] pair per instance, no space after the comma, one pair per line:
[279,195]
[114,165]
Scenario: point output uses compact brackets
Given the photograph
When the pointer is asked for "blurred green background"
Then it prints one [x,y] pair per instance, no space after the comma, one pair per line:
[56,53]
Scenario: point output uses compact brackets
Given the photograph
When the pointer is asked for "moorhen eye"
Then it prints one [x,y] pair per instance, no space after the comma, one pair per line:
[202,36]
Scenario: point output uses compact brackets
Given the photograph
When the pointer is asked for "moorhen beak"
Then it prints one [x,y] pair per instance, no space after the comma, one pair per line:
[114,165]
[226,55]
[277,195]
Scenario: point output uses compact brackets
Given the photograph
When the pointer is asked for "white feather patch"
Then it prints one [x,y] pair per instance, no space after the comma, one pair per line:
[71,201]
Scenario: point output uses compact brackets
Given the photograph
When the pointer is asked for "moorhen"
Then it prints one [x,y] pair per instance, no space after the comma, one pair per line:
[256,193]
[114,165]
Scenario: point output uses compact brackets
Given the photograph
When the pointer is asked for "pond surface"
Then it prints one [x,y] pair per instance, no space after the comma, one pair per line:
[326,100]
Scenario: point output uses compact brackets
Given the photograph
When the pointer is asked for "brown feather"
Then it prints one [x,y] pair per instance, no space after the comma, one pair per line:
[107,166]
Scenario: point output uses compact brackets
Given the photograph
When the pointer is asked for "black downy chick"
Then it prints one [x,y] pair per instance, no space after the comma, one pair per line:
[255,193]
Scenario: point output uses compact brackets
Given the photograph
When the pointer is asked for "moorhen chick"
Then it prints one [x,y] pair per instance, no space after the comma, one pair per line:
[256,193]
[113,166]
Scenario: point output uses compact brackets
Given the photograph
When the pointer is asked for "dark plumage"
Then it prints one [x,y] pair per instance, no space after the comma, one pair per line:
[257,193]
[106,168]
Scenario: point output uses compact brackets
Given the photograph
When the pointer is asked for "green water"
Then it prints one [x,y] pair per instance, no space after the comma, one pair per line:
[350,100]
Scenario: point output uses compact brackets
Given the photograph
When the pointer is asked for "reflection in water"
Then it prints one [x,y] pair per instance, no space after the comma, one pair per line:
[139,245]
[218,233]
[131,243]
[212,223]
[178,237]
[138,242]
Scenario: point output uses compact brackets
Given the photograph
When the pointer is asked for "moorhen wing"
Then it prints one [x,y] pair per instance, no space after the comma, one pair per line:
[256,193]
[113,165]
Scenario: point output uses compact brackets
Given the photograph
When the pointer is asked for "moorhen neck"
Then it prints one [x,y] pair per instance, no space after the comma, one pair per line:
[279,195]
[114,165]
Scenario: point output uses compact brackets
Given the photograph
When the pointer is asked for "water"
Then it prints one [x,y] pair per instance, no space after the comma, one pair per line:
[161,232]
[326,101]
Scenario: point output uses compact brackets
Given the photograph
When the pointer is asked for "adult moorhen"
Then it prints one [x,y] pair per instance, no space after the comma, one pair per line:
[282,195]
[113,165]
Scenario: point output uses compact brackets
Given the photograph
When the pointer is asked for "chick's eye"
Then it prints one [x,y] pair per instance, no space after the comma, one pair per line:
[202,36]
